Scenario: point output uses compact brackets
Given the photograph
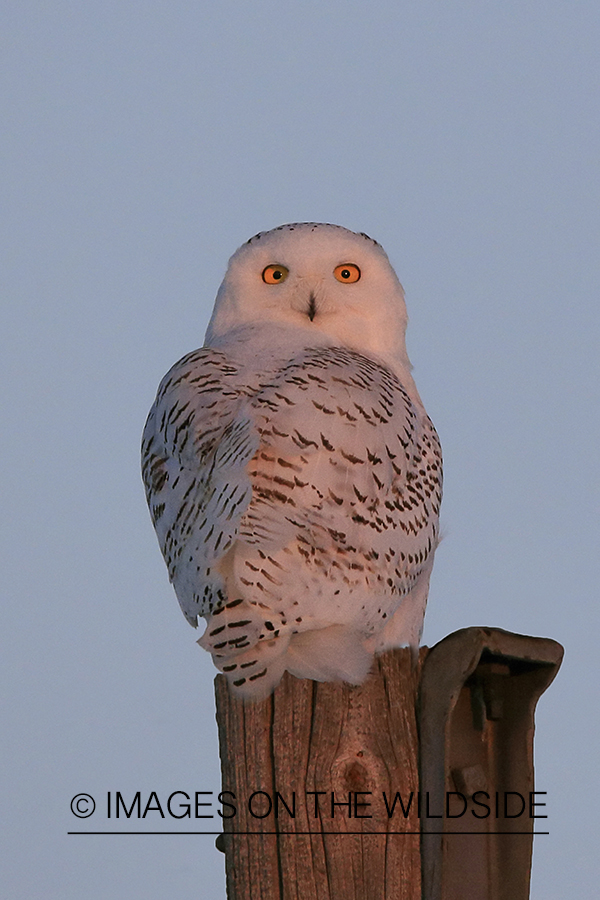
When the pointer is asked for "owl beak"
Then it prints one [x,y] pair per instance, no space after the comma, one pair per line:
[304,299]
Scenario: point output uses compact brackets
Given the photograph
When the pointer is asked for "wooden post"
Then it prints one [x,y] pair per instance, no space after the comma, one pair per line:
[322,780]
[353,745]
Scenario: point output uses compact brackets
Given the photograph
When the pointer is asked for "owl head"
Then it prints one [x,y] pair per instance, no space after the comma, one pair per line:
[321,280]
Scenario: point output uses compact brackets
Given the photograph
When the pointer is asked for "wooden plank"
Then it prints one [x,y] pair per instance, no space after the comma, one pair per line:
[478,694]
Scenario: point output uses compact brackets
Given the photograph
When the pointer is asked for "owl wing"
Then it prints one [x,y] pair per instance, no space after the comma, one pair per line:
[304,497]
[196,446]
[332,556]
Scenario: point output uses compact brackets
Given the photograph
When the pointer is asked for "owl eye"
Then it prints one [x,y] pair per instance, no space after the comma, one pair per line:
[275,274]
[347,273]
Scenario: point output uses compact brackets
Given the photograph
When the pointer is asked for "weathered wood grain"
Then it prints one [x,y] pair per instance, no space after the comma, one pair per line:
[350,743]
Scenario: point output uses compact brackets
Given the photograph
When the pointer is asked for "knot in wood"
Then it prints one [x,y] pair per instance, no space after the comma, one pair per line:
[356,777]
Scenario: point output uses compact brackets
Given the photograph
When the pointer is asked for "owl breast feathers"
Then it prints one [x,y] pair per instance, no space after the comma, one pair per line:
[292,474]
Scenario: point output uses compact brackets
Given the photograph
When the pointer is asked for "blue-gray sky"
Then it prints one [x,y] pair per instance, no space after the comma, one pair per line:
[142,143]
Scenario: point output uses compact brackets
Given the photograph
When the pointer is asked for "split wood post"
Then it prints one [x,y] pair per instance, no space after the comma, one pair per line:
[322,784]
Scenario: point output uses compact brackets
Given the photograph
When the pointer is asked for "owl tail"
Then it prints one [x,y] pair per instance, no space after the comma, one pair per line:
[254,659]
[243,649]
[335,653]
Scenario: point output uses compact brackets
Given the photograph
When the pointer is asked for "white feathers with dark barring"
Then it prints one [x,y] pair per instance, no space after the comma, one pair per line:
[293,476]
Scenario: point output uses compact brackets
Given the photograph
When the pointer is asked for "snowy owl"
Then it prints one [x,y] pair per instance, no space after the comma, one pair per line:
[292,474]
